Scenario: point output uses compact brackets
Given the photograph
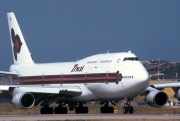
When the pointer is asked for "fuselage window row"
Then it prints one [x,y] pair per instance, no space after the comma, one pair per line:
[127,76]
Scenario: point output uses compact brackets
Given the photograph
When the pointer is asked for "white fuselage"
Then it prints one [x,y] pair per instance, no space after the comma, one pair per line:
[135,77]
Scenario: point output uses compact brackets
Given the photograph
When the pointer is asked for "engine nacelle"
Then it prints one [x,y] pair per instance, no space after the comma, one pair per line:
[156,98]
[177,95]
[22,99]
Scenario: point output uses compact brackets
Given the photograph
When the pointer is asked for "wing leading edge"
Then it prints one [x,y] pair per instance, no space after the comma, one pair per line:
[59,90]
[165,85]
[8,73]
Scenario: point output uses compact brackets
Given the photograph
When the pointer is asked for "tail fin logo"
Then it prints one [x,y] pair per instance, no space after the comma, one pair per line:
[16,43]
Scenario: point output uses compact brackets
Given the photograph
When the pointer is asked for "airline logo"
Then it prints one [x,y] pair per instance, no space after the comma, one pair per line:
[77,68]
[16,43]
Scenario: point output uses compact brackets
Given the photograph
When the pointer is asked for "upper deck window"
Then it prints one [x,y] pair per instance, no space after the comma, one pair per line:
[131,59]
[89,62]
[106,61]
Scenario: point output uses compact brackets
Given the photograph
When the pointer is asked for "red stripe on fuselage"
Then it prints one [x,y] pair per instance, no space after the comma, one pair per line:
[76,78]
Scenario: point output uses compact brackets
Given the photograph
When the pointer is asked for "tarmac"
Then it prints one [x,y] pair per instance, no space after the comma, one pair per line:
[104,117]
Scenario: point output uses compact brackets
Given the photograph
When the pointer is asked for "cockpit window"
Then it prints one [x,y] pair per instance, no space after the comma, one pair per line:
[131,59]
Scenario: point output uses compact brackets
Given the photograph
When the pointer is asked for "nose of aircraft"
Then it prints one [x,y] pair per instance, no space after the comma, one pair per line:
[143,77]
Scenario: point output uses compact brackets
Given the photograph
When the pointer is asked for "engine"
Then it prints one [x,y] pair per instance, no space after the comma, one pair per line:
[177,94]
[156,98]
[22,99]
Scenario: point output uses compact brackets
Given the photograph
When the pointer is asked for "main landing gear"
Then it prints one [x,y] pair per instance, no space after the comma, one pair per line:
[45,103]
[60,109]
[106,108]
[81,109]
[46,110]
[128,107]
[57,110]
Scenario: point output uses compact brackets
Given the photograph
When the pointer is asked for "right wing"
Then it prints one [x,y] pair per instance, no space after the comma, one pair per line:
[60,90]
[8,73]
[27,96]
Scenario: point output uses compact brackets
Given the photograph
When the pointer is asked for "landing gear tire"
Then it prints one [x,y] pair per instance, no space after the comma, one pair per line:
[81,110]
[125,109]
[128,108]
[60,110]
[46,110]
[107,109]
[131,110]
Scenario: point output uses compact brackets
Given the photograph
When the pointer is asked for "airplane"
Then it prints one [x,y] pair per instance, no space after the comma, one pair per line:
[72,84]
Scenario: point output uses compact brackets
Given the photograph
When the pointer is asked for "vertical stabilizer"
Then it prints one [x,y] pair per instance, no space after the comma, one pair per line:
[21,54]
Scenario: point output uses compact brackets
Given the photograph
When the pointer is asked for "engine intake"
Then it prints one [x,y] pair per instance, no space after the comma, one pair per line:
[156,98]
[22,99]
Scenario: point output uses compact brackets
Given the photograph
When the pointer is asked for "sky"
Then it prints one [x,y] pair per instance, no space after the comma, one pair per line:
[67,30]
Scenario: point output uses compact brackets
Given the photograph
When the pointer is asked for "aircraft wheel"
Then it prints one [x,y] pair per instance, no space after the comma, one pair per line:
[131,110]
[56,110]
[60,110]
[64,110]
[78,110]
[46,110]
[81,110]
[49,110]
[107,109]
[125,109]
[110,110]
[42,111]
[103,110]
[85,109]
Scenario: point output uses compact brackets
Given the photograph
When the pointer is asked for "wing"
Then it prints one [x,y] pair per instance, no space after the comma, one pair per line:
[8,73]
[59,90]
[27,96]
[165,85]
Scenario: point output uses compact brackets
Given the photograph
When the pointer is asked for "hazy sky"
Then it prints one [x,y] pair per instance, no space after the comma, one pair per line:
[67,30]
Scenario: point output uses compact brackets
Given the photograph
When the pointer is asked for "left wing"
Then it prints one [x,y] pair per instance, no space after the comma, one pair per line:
[155,97]
[165,85]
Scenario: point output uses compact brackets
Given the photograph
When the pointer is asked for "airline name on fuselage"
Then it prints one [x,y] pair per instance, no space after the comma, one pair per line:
[77,69]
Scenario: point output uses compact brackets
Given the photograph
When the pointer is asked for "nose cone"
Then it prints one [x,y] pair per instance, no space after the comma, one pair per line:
[143,77]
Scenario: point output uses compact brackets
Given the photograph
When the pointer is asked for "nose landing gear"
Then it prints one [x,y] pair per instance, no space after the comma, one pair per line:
[128,107]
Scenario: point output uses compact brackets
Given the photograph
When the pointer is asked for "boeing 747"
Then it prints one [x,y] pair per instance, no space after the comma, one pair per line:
[107,78]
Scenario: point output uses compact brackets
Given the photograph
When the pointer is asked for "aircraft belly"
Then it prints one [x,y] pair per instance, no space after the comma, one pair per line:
[107,91]
[115,91]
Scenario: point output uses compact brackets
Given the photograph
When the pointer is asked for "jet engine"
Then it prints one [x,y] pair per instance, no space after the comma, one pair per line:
[156,98]
[177,95]
[22,99]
